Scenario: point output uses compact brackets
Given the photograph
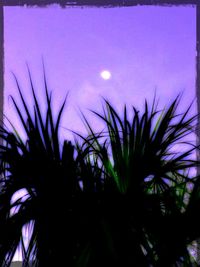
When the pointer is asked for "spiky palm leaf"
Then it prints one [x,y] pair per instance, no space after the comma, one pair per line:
[119,200]
[46,169]
[145,180]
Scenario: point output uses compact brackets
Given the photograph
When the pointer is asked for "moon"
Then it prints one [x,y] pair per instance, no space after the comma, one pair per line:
[105,74]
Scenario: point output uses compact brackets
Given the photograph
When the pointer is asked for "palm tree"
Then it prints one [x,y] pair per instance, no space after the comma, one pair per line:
[146,183]
[115,198]
[46,169]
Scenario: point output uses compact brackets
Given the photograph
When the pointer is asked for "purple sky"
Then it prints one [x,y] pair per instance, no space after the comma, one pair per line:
[144,48]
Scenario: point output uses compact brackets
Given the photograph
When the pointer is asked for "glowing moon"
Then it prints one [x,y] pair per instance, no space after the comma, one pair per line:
[105,74]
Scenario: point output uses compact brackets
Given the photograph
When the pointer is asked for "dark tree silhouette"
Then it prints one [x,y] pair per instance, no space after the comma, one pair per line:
[112,198]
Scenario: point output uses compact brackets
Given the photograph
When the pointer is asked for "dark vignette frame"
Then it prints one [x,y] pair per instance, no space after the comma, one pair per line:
[102,4]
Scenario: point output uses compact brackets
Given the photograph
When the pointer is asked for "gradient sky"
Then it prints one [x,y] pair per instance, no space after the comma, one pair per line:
[144,48]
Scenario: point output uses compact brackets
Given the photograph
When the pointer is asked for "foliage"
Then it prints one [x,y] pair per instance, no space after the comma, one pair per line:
[149,180]
[115,198]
